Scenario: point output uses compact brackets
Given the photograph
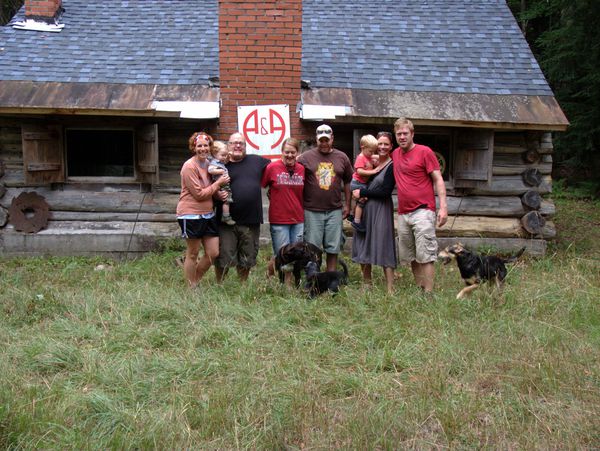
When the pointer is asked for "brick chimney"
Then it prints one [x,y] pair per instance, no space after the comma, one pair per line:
[260,54]
[46,10]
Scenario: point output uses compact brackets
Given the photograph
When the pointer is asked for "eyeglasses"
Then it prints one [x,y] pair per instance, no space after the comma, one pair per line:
[236,143]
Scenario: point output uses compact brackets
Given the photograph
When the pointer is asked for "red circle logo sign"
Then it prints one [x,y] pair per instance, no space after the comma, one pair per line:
[261,125]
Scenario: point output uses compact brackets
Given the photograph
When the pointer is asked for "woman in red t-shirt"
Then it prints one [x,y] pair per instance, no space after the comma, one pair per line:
[285,181]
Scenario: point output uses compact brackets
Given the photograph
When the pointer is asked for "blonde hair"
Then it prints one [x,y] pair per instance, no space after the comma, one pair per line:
[368,141]
[217,147]
[403,122]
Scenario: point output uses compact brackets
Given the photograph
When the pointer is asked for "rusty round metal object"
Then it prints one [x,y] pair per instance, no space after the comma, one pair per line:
[29,212]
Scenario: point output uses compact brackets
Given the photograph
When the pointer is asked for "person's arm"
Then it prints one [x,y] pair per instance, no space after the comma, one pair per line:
[363,172]
[265,179]
[440,189]
[347,200]
[215,170]
[385,189]
[198,191]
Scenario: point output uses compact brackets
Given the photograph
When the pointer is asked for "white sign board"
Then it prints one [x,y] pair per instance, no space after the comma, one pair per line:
[264,127]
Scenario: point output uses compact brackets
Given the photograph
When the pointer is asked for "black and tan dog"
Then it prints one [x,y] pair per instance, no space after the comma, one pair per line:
[293,258]
[476,269]
[326,281]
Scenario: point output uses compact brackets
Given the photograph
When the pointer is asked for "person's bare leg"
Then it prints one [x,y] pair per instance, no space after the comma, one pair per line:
[366,273]
[191,260]
[358,213]
[271,267]
[211,252]
[331,262]
[389,279]
[243,273]
[424,274]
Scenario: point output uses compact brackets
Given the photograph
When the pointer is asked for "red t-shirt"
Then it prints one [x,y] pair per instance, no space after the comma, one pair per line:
[285,192]
[413,180]
[361,162]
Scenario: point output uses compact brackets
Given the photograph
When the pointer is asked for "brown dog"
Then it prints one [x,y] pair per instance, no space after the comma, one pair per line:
[293,258]
[476,269]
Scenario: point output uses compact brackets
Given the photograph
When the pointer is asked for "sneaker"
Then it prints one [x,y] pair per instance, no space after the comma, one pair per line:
[228,220]
[359,227]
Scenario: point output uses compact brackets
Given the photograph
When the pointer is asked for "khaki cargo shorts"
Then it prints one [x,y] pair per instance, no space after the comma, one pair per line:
[238,245]
[416,236]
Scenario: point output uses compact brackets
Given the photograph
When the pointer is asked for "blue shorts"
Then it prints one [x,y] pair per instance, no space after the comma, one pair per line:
[282,234]
[324,230]
[355,184]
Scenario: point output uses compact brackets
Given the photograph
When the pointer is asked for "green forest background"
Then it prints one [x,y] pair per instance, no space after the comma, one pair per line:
[565,37]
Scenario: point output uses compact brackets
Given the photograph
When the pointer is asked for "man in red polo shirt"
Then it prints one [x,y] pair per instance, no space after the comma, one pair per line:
[417,171]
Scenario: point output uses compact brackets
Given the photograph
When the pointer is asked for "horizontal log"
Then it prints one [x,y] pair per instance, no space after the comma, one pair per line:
[13,177]
[118,240]
[517,163]
[484,206]
[489,227]
[507,169]
[510,139]
[91,201]
[103,217]
[56,228]
[501,206]
[86,239]
[533,247]
[509,149]
[512,185]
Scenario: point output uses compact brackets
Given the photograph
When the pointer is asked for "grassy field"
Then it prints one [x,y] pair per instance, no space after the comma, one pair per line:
[127,358]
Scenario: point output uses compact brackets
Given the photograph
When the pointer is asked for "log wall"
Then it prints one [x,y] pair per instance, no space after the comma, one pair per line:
[95,219]
[92,219]
[492,215]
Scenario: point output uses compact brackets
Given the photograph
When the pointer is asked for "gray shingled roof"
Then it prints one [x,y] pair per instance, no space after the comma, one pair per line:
[118,41]
[456,46]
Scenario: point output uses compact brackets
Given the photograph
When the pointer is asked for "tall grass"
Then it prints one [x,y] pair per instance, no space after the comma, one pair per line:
[128,358]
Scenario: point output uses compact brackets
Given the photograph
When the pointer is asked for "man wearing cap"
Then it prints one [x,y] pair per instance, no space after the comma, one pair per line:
[328,171]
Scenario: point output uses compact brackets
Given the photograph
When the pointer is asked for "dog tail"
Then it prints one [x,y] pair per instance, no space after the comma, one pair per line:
[515,257]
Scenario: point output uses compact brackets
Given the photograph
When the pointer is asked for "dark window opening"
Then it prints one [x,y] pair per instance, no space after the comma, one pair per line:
[100,153]
[441,145]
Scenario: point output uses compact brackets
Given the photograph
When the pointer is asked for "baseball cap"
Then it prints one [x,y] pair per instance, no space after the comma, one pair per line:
[324,131]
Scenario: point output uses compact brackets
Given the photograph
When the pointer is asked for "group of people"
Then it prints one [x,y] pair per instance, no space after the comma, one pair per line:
[310,195]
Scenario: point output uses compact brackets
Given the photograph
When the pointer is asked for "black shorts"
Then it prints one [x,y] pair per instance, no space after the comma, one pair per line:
[198,228]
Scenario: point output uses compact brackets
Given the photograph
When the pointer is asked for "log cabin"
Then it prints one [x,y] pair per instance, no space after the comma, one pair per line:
[97,100]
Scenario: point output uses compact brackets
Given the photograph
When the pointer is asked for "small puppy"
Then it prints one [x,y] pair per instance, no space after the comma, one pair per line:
[293,257]
[476,269]
[320,282]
